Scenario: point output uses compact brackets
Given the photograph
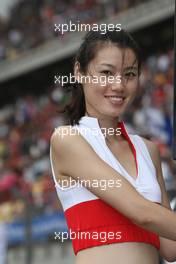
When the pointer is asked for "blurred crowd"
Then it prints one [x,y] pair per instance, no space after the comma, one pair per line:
[25,130]
[31,22]
[26,127]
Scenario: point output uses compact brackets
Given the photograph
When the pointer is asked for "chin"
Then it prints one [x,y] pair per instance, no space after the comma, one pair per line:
[113,114]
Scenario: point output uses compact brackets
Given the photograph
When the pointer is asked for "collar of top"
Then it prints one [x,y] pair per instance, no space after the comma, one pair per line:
[92,123]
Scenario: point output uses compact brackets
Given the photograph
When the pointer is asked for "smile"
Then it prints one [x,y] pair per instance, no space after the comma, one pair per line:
[115,99]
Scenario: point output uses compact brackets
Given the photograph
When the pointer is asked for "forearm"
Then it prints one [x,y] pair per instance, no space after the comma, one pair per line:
[160,220]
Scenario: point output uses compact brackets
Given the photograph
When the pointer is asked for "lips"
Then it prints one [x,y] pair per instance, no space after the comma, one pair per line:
[115,99]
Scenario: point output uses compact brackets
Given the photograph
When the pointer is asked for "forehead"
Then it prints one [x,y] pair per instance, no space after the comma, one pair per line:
[111,54]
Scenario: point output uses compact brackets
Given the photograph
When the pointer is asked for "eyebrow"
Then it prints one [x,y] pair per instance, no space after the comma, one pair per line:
[126,68]
[131,68]
[107,64]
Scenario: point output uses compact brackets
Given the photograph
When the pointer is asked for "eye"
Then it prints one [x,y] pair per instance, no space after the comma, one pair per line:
[130,74]
[106,72]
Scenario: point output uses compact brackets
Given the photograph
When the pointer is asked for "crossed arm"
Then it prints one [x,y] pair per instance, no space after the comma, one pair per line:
[74,157]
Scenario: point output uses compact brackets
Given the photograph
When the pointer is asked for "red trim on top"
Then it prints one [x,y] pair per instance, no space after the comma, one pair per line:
[125,135]
[97,217]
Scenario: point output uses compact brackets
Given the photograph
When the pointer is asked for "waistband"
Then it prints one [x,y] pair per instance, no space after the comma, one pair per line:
[94,223]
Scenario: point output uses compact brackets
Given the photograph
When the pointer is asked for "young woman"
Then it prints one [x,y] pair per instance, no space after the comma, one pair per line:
[115,202]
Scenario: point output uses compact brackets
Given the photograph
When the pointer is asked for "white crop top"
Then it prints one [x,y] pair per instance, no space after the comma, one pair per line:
[146,182]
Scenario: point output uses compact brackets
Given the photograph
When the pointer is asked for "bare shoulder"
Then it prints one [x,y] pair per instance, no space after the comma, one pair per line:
[62,135]
[61,131]
[151,145]
[67,140]
[61,143]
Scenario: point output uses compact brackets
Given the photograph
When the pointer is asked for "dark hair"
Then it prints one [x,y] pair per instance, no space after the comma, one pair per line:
[92,41]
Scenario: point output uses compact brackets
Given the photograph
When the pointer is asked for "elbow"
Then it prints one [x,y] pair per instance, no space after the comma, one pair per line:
[170,257]
[143,219]
[168,250]
[141,212]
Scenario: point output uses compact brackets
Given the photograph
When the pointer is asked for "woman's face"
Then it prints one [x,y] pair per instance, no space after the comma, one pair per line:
[113,81]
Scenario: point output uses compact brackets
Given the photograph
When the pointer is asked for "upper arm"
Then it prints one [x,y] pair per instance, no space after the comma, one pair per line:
[155,156]
[75,157]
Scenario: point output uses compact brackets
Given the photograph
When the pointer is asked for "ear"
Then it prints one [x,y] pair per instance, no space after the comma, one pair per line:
[77,73]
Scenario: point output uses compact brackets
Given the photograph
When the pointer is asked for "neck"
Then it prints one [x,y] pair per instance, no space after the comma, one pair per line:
[109,125]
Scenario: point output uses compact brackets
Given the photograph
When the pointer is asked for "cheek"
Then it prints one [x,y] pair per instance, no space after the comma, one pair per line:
[93,91]
[132,86]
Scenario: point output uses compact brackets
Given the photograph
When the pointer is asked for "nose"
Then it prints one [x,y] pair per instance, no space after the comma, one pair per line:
[118,83]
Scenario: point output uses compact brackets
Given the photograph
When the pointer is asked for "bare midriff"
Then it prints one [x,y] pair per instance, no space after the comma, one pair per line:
[119,253]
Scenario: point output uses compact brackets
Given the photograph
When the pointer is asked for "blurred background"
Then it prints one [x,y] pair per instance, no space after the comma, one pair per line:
[31,54]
